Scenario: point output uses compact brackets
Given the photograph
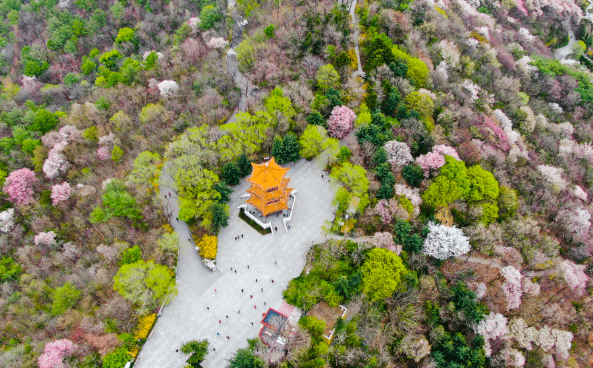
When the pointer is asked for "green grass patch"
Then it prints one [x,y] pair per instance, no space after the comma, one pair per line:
[252,223]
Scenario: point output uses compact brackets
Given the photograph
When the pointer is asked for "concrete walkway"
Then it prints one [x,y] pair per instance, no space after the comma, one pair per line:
[279,258]
[356,37]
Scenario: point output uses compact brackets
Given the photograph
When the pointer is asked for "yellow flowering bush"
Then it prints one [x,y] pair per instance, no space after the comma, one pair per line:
[145,325]
[208,245]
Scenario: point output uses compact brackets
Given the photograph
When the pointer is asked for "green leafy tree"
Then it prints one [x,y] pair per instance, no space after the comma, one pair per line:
[209,16]
[97,21]
[353,177]
[110,59]
[71,79]
[269,31]
[402,234]
[465,300]
[220,216]
[245,55]
[117,358]
[344,154]
[196,188]
[29,145]
[169,242]
[231,174]
[327,77]
[454,352]
[483,185]
[87,66]
[117,10]
[315,118]
[225,192]
[452,184]
[9,269]
[286,150]
[197,350]
[279,108]
[313,141]
[508,202]
[244,165]
[244,358]
[413,174]
[63,298]
[116,153]
[44,121]
[131,255]
[125,34]
[117,202]
[313,325]
[377,51]
[382,273]
[145,284]
[147,168]
[489,213]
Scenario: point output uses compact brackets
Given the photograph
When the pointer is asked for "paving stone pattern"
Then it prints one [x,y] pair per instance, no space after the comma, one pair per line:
[187,316]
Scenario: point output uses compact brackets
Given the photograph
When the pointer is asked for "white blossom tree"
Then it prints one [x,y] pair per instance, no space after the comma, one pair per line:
[443,242]
[492,328]
[167,88]
[398,153]
[7,220]
[512,287]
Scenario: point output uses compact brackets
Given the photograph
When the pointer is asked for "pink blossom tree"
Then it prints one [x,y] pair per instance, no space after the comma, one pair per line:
[430,162]
[341,121]
[60,192]
[385,240]
[492,328]
[446,151]
[47,239]
[19,186]
[443,242]
[55,352]
[56,163]
[398,153]
[103,153]
[512,286]
[387,210]
[413,195]
[574,275]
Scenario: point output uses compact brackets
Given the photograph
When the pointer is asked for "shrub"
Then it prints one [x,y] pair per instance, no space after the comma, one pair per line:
[208,246]
[145,326]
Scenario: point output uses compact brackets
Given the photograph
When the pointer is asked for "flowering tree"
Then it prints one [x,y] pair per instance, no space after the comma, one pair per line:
[552,175]
[530,287]
[492,328]
[70,250]
[430,162]
[194,23]
[524,335]
[56,162]
[413,195]
[6,220]
[55,352]
[575,220]
[563,343]
[103,153]
[60,192]
[167,88]
[385,240]
[47,239]
[446,151]
[341,121]
[443,242]
[574,275]
[398,153]
[449,52]
[217,43]
[19,186]
[414,347]
[388,209]
[111,253]
[512,286]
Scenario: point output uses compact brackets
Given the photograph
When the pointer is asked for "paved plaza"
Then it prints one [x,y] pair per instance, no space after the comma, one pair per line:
[279,257]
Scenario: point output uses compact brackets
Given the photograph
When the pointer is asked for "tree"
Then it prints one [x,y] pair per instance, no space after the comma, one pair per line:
[443,242]
[353,177]
[9,269]
[209,16]
[55,352]
[341,121]
[483,185]
[45,238]
[378,52]
[60,192]
[285,150]
[382,273]
[465,300]
[197,350]
[19,186]
[169,241]
[116,153]
[454,352]
[220,216]
[144,284]
[492,328]
[44,121]
[63,298]
[125,34]
[56,163]
[574,275]
[244,358]
[508,202]
[117,358]
[398,153]
[313,141]
[413,174]
[147,169]
[231,173]
[110,59]
[244,165]
[327,77]
[131,255]
[452,184]
[117,202]
[208,246]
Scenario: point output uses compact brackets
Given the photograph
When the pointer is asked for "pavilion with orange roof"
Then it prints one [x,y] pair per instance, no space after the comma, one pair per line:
[269,188]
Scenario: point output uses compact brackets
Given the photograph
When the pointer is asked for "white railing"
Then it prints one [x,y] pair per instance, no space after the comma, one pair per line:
[265,225]
[287,219]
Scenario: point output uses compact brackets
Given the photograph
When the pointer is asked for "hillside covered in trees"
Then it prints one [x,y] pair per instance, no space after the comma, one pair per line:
[462,128]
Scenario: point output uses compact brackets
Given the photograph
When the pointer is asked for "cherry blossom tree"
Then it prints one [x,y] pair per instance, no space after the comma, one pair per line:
[524,335]
[576,220]
[398,153]
[430,162]
[563,343]
[341,121]
[552,175]
[217,43]
[194,23]
[530,287]
[19,186]
[512,286]
[413,195]
[60,192]
[55,352]
[167,88]
[446,151]
[545,339]
[7,220]
[443,242]
[385,240]
[481,289]
[574,275]
[56,163]
[47,239]
[103,153]
[111,253]
[492,328]
[388,209]
[70,251]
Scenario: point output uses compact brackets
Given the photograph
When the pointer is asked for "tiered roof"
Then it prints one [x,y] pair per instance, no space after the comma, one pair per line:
[269,191]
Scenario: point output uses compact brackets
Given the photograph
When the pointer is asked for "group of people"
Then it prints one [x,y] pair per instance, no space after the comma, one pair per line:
[239,237]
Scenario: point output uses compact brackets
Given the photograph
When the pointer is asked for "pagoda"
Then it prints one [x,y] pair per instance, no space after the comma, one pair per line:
[269,192]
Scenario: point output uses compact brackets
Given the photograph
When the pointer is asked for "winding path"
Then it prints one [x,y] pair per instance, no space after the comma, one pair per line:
[352,12]
[564,51]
